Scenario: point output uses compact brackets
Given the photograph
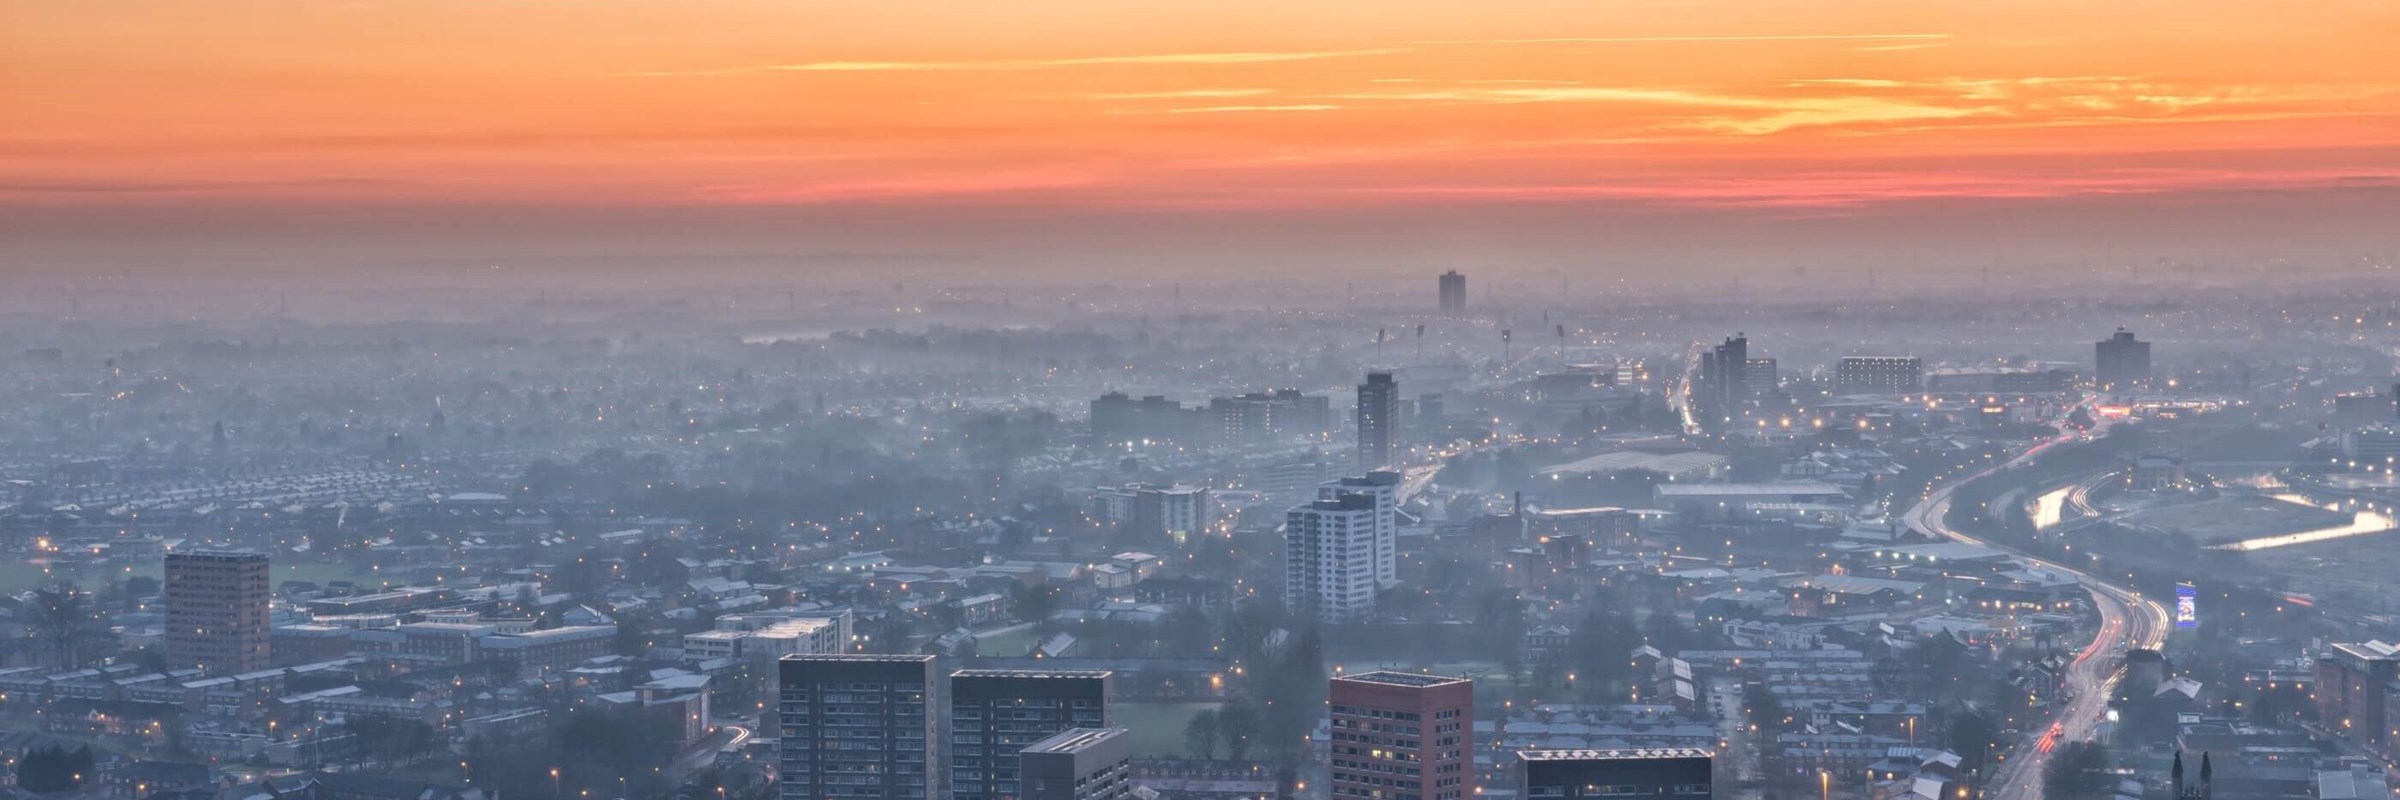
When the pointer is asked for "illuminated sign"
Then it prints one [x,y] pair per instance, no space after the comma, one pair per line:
[2187,611]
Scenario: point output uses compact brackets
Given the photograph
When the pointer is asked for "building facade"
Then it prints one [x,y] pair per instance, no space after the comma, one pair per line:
[2350,688]
[1402,736]
[1329,558]
[1724,376]
[1378,419]
[2121,361]
[1454,294]
[994,713]
[1878,375]
[1079,764]
[1177,511]
[1384,489]
[216,611]
[1681,773]
[858,726]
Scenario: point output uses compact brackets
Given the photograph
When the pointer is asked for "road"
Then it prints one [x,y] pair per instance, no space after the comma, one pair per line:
[1679,393]
[2127,620]
[727,738]
[2079,499]
[1737,752]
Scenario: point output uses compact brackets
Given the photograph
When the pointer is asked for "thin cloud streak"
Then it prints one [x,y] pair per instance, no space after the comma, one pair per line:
[1015,65]
[1823,37]
[1241,109]
[1784,113]
[1183,94]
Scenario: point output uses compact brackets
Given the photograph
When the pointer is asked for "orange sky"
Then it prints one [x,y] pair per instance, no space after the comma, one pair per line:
[1188,104]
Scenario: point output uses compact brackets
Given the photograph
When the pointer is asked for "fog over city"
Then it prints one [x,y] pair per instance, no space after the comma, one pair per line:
[455,400]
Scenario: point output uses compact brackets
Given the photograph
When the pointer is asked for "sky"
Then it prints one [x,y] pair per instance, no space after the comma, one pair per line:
[136,129]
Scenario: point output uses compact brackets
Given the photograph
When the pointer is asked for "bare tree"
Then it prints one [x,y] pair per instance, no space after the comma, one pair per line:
[63,618]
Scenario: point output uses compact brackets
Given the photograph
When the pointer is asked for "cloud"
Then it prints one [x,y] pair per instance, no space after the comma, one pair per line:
[1885,105]
[1183,94]
[1838,189]
[135,187]
[1238,109]
[1257,57]
[1003,183]
[1779,113]
[1824,37]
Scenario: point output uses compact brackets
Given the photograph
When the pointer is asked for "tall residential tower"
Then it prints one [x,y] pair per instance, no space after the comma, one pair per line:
[858,727]
[1378,420]
[1329,562]
[2121,361]
[1402,736]
[996,712]
[216,610]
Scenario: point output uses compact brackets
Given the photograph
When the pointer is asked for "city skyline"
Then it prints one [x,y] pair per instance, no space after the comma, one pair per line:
[1199,400]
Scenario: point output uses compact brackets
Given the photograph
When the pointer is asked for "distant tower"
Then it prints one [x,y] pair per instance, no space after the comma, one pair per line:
[1383,488]
[1454,294]
[1328,581]
[1378,415]
[2121,361]
[216,610]
[1725,375]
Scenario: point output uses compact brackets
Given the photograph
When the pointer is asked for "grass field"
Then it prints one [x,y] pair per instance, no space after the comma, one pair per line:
[1158,727]
[1011,644]
[20,576]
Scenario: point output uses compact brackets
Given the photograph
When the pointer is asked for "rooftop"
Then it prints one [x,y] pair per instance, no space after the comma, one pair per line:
[1608,755]
[1410,679]
[217,555]
[1032,673]
[1074,739]
[2369,651]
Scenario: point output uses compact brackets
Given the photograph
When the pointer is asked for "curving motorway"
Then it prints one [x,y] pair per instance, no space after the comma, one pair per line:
[2127,620]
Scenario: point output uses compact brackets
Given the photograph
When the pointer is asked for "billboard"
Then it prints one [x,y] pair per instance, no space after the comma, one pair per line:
[2187,606]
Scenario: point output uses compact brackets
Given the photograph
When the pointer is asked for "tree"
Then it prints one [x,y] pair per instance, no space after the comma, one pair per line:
[1766,710]
[2080,769]
[1200,735]
[1664,630]
[150,659]
[1973,739]
[1034,604]
[1237,723]
[1599,649]
[54,769]
[1186,632]
[65,622]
